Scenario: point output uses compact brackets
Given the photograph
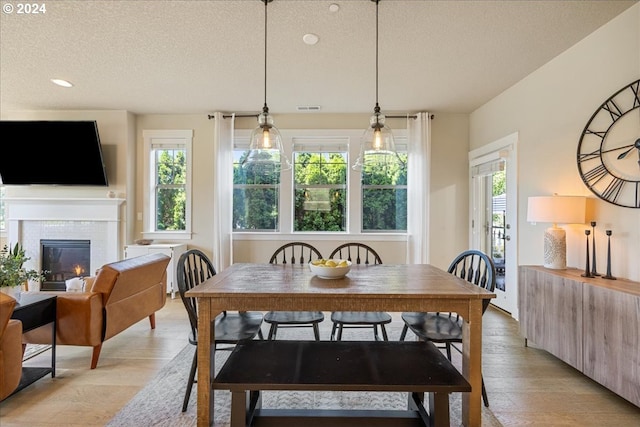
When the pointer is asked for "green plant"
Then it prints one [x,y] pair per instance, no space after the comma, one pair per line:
[12,271]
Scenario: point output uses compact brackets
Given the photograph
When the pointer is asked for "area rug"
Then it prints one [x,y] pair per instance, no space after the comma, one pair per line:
[159,403]
[32,350]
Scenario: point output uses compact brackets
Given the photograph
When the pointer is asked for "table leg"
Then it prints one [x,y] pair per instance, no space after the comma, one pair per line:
[206,362]
[472,364]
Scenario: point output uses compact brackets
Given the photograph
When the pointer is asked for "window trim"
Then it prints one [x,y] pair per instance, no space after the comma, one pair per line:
[354,204]
[172,138]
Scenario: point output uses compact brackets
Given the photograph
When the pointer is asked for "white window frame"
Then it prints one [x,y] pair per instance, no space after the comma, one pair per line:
[170,139]
[354,195]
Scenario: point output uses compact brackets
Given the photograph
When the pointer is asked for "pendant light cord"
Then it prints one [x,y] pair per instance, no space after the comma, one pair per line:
[265,108]
[377,3]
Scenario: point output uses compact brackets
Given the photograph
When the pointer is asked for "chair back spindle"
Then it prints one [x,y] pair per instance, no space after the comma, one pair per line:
[194,268]
[370,255]
[295,253]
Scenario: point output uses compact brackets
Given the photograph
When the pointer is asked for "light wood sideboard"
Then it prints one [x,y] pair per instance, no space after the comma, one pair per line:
[592,324]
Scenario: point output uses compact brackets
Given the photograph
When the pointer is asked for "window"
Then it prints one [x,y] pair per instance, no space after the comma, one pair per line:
[322,193]
[256,193]
[320,185]
[167,184]
[384,193]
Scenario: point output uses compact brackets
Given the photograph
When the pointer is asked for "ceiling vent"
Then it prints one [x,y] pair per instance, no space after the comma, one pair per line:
[308,108]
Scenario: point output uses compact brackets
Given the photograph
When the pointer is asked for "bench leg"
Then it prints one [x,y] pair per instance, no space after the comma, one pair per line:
[238,408]
[439,409]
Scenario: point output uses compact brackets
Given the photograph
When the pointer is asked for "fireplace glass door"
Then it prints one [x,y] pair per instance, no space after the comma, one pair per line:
[63,260]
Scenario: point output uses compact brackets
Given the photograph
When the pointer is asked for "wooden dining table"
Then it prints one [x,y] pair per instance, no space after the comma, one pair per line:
[383,287]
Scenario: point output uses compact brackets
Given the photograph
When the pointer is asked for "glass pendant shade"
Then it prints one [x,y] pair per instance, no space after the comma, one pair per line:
[265,146]
[266,153]
[377,144]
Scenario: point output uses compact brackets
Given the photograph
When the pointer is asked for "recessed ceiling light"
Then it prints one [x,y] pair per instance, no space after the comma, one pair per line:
[310,38]
[61,82]
[334,7]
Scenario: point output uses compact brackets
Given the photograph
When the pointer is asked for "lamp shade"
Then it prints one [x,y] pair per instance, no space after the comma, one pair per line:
[377,144]
[266,147]
[557,209]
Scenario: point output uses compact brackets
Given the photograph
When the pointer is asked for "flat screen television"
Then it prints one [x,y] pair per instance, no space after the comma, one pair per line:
[51,153]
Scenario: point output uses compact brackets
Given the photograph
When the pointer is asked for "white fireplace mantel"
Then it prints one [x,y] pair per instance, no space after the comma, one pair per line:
[63,209]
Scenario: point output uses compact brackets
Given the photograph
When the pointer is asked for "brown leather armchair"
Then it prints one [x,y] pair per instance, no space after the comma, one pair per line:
[10,347]
[122,294]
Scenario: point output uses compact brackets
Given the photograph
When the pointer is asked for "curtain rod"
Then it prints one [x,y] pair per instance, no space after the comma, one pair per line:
[228,116]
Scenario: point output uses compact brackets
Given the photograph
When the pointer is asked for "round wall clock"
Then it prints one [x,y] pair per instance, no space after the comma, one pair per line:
[609,149]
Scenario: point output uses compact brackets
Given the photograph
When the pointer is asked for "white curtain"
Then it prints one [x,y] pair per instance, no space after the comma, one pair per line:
[223,191]
[418,188]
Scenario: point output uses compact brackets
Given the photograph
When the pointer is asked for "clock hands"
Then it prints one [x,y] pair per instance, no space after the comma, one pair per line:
[634,145]
[623,155]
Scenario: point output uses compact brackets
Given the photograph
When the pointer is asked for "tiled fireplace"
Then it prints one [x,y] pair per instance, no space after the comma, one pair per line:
[97,222]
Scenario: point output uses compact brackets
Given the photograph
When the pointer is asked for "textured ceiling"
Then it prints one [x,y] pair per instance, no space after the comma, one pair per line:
[203,56]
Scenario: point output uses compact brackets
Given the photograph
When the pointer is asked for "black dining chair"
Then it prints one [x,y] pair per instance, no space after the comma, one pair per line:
[294,253]
[193,268]
[446,328]
[358,253]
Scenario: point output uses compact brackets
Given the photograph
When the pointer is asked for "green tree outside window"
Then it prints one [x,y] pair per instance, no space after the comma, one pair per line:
[384,194]
[170,189]
[256,190]
[320,185]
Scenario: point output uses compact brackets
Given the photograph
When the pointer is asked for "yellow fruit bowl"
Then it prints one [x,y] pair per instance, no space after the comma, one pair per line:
[330,268]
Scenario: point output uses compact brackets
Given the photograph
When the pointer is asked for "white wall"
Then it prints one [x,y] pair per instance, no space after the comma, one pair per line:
[449,205]
[549,109]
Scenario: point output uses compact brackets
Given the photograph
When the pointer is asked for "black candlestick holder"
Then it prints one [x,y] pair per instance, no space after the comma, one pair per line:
[608,275]
[594,271]
[587,269]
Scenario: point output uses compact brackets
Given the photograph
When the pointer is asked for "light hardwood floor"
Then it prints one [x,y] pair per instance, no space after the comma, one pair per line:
[526,386]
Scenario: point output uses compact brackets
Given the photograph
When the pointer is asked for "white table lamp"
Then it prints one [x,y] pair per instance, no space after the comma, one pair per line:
[556,210]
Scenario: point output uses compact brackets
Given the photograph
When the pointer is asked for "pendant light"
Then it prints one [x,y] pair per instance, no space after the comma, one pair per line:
[377,143]
[265,143]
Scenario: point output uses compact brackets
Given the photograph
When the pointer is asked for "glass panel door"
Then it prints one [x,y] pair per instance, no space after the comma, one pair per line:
[494,213]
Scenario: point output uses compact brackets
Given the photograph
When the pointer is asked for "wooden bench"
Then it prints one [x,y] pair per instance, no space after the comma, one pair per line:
[387,366]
